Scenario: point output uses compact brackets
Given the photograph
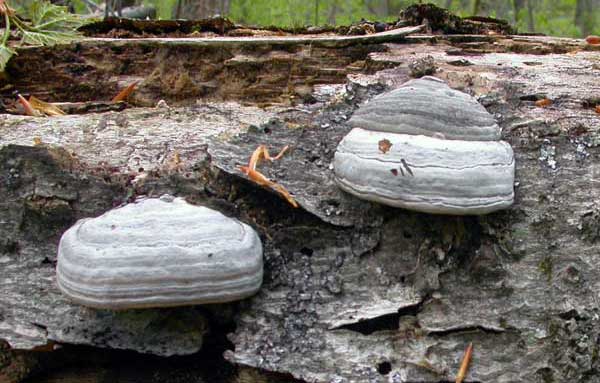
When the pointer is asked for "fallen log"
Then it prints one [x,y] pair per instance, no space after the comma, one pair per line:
[353,291]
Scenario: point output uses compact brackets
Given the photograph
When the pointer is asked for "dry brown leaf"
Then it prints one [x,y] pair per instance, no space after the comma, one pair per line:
[464,366]
[29,111]
[543,103]
[125,93]
[5,9]
[597,109]
[385,145]
[45,107]
[593,40]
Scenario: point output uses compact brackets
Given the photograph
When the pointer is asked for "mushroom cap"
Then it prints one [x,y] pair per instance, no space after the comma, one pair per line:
[158,253]
[426,174]
[428,106]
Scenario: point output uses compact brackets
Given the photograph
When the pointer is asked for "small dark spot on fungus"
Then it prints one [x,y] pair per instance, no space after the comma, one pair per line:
[385,145]
[406,167]
[384,368]
[453,152]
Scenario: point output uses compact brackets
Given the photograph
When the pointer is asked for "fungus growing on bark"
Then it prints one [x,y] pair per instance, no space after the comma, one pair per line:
[428,106]
[159,252]
[443,142]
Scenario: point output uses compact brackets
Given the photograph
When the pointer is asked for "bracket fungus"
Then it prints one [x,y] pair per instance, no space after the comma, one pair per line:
[159,252]
[442,152]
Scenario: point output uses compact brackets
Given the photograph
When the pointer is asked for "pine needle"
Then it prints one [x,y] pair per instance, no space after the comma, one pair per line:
[29,110]
[125,93]
[464,366]
[260,179]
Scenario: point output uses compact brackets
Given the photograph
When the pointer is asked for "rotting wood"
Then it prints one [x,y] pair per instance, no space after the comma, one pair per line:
[329,41]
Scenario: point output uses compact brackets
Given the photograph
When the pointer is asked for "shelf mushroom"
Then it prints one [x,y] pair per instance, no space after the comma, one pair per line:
[429,148]
[159,252]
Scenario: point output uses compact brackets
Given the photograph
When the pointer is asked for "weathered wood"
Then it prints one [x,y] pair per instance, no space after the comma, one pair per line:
[264,70]
[353,292]
[329,41]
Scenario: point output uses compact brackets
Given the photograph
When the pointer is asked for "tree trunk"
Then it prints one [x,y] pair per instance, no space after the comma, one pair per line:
[331,17]
[518,5]
[316,12]
[585,16]
[224,7]
[530,16]
[476,7]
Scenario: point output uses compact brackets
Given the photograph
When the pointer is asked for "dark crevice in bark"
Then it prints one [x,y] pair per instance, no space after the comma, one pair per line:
[207,365]
[369,326]
[41,327]
[383,322]
[457,330]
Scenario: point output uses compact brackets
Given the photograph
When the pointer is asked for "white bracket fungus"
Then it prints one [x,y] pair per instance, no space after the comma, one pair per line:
[157,253]
[428,106]
[428,148]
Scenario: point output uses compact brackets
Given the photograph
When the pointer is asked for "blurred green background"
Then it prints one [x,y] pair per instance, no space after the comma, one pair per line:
[577,18]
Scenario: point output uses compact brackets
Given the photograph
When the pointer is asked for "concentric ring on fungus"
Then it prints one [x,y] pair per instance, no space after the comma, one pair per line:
[440,152]
[158,253]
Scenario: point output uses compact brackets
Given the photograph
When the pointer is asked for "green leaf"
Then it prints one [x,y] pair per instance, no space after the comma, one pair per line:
[5,54]
[47,37]
[50,24]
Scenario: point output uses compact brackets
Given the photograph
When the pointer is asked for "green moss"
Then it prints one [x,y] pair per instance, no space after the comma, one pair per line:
[546,375]
[137,317]
[553,329]
[502,322]
[546,266]
[519,233]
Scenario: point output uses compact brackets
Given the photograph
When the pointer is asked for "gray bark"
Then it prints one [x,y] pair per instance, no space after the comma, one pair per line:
[351,287]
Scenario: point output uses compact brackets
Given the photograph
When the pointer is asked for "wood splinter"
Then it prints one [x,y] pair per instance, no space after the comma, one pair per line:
[259,178]
[464,366]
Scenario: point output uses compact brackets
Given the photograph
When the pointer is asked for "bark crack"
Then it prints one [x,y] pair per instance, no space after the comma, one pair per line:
[384,322]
